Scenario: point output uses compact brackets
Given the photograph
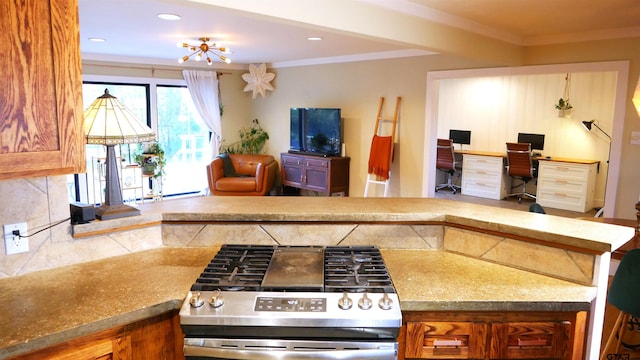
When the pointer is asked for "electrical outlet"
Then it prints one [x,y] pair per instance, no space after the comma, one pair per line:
[15,244]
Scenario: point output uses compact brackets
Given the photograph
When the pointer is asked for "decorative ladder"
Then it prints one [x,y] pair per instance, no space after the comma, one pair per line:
[380,144]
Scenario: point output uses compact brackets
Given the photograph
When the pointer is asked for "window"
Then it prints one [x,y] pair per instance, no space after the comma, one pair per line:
[185,139]
[179,129]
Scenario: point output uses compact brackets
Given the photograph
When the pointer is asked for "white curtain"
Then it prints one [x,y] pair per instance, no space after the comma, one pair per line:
[203,87]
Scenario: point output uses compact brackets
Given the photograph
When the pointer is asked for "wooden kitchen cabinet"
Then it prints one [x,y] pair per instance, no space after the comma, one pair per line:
[327,175]
[158,338]
[41,115]
[446,340]
[489,335]
[530,340]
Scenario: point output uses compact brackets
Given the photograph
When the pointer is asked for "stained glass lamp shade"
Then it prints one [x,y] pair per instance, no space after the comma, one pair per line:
[108,122]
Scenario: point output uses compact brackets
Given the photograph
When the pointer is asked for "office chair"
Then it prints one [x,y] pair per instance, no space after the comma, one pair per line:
[445,161]
[624,294]
[520,166]
[536,208]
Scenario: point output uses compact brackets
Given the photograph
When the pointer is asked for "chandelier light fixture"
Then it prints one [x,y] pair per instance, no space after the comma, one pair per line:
[204,50]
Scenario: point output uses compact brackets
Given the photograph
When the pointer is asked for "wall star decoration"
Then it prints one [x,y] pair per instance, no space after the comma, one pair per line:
[258,80]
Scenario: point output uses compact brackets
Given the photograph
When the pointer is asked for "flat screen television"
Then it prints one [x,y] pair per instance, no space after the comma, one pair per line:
[462,137]
[536,140]
[316,131]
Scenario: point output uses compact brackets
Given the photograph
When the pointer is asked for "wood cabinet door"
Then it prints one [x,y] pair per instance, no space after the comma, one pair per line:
[445,340]
[531,340]
[317,178]
[292,175]
[41,115]
[157,338]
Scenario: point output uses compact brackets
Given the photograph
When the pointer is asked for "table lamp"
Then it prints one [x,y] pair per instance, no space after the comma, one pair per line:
[108,122]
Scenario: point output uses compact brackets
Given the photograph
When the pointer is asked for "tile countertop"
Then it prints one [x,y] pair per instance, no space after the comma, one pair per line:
[49,307]
[578,234]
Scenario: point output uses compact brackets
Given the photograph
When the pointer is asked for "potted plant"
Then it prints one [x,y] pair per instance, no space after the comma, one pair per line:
[252,140]
[150,156]
[564,107]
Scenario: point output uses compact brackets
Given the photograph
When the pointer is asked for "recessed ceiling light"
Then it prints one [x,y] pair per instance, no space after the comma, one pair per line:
[314,38]
[171,17]
[97,39]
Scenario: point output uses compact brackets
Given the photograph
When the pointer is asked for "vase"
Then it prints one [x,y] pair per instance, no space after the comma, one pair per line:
[148,169]
[566,113]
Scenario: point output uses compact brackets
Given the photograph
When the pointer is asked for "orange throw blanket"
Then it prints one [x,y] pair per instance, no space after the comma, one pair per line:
[381,156]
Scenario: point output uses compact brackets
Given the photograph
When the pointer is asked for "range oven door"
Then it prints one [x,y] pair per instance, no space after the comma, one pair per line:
[250,349]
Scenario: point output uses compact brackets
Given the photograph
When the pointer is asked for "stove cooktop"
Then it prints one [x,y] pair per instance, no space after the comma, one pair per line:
[352,269]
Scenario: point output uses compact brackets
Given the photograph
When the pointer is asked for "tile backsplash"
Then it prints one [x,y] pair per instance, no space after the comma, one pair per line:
[43,201]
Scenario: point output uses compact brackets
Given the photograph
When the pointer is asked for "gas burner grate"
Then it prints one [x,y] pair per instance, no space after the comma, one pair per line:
[356,269]
[346,268]
[235,267]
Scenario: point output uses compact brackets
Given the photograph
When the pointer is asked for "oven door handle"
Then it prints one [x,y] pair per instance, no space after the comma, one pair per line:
[264,354]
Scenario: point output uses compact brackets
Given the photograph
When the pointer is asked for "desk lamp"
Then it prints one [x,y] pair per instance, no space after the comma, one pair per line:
[108,122]
[587,125]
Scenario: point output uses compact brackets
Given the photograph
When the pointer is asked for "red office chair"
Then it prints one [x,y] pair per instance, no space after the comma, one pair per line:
[445,161]
[520,166]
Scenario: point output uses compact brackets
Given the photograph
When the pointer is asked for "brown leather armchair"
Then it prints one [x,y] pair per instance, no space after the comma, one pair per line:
[255,175]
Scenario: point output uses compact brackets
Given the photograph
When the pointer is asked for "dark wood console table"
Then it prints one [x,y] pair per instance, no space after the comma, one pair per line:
[327,175]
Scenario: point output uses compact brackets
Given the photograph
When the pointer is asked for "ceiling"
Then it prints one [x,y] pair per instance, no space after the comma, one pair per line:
[135,34]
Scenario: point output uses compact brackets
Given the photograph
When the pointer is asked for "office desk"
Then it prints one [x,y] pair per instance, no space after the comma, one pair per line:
[563,183]
[484,175]
[567,184]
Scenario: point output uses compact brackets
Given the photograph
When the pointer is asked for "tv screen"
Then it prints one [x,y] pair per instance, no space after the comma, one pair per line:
[536,140]
[462,137]
[316,131]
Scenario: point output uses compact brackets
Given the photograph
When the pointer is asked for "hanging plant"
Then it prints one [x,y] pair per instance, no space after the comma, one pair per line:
[563,105]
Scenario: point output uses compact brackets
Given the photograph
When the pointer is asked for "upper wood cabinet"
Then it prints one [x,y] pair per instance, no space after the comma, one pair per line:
[41,111]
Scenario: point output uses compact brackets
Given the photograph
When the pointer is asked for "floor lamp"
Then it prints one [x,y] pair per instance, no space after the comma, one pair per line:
[587,125]
[108,122]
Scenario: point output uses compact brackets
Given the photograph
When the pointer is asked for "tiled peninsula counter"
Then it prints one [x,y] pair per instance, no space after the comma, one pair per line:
[442,255]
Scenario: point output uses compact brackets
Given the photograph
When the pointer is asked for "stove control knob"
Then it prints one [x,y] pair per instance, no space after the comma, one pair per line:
[196,300]
[345,303]
[216,300]
[385,302]
[365,303]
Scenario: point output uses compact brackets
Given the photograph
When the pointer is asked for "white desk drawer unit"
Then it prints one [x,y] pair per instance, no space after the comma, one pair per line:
[484,176]
[567,186]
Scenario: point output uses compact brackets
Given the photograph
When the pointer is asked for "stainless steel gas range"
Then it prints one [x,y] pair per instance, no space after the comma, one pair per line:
[292,302]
